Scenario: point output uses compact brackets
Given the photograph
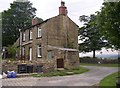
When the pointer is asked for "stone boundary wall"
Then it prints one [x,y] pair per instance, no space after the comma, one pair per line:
[13,66]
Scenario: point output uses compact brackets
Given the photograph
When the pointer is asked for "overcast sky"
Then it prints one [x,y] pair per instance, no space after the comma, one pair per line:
[49,8]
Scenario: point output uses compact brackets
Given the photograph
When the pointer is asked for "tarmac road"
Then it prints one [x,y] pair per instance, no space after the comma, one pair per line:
[89,78]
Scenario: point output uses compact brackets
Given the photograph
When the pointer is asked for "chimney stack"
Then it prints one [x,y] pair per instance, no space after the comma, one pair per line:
[62,9]
[34,21]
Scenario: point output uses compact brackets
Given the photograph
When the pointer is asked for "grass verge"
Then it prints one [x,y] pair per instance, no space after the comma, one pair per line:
[105,65]
[62,73]
[109,81]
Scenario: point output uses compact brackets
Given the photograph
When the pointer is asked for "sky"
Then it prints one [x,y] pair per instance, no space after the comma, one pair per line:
[49,8]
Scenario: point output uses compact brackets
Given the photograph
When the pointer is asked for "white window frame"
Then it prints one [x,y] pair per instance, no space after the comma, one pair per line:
[39,51]
[39,32]
[23,51]
[23,36]
[30,53]
[31,33]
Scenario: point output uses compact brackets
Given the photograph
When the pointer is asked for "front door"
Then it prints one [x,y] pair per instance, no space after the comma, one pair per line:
[60,63]
[30,54]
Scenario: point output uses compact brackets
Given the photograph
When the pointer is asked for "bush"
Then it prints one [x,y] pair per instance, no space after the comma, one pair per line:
[89,60]
[96,60]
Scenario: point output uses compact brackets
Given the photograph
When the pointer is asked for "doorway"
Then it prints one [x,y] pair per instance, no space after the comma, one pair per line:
[60,63]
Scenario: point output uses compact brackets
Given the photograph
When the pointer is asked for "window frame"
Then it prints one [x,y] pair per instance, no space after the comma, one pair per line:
[30,35]
[39,32]
[23,51]
[30,55]
[23,36]
[39,51]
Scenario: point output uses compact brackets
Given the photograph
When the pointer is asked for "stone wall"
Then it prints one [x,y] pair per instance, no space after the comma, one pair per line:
[45,66]
[73,59]
[9,65]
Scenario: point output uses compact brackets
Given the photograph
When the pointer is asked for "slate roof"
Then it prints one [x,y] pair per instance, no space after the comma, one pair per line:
[63,49]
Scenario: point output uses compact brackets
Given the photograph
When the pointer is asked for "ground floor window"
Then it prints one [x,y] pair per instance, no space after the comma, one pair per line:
[50,55]
[30,53]
[39,51]
[23,52]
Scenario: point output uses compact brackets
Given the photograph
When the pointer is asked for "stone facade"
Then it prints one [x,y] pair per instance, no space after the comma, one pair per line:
[59,40]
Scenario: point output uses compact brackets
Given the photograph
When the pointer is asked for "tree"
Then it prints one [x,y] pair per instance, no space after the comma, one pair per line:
[39,19]
[0,32]
[17,17]
[108,20]
[90,36]
[12,50]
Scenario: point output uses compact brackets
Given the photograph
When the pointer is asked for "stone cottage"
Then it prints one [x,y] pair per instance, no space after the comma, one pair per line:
[52,43]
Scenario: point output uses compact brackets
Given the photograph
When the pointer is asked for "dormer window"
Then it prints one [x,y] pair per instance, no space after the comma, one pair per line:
[30,34]
[23,36]
[39,32]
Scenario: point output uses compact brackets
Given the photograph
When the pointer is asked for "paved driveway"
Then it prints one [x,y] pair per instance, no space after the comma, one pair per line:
[86,79]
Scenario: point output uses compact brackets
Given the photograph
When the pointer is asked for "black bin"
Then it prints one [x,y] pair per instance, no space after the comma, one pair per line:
[22,68]
[39,68]
[30,69]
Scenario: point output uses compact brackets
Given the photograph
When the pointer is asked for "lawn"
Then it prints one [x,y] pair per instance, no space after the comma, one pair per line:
[62,72]
[109,81]
[105,65]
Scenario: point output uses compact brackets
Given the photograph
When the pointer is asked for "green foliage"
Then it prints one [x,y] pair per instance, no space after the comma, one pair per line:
[0,32]
[39,19]
[108,20]
[12,50]
[107,61]
[103,65]
[110,81]
[18,16]
[91,37]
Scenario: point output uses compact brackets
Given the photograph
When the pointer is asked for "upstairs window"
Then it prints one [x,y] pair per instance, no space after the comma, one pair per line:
[30,34]
[23,36]
[39,51]
[39,32]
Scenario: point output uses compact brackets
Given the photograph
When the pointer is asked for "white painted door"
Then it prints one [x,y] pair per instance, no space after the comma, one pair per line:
[30,54]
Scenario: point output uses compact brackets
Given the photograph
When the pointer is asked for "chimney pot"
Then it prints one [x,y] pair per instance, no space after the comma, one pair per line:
[62,3]
[34,21]
[62,9]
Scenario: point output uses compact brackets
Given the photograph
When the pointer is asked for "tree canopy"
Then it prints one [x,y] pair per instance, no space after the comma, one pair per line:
[90,36]
[18,16]
[108,20]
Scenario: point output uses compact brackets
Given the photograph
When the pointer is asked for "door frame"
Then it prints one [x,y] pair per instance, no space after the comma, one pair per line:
[60,63]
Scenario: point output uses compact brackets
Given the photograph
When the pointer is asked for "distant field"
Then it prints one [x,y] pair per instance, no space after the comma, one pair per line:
[105,65]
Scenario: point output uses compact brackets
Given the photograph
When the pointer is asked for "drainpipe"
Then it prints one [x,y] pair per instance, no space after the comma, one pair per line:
[20,42]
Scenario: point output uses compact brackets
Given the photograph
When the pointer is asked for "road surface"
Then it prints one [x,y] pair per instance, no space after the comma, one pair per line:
[89,78]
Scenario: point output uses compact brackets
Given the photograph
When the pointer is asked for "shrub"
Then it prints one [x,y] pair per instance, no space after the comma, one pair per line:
[96,60]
